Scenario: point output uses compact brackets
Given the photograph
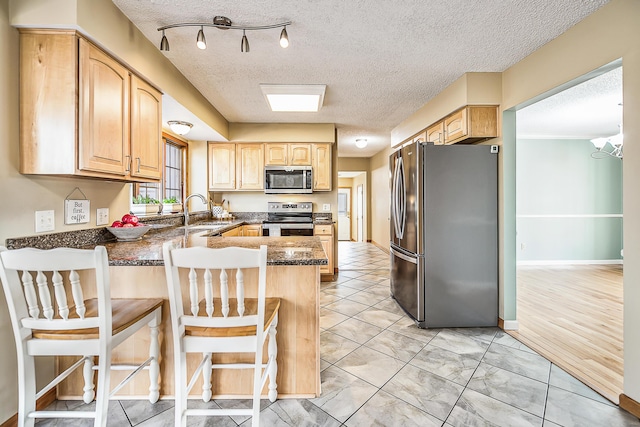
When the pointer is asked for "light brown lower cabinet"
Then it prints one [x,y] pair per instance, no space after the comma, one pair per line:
[325,233]
[234,232]
[251,230]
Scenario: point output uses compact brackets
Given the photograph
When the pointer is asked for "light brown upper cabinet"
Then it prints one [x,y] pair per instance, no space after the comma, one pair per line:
[321,163]
[82,113]
[222,166]
[287,154]
[146,130]
[435,133]
[471,124]
[250,166]
[421,137]
[236,166]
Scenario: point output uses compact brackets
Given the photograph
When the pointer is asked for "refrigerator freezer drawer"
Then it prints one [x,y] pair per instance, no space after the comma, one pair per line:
[407,273]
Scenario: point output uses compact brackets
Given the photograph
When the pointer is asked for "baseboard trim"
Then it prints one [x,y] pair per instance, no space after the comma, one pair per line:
[571,262]
[630,405]
[508,325]
[382,248]
[47,399]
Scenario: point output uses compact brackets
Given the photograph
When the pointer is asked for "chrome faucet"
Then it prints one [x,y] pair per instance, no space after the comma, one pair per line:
[186,206]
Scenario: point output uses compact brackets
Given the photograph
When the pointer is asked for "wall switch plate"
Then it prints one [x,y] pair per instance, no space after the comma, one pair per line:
[326,207]
[102,216]
[45,221]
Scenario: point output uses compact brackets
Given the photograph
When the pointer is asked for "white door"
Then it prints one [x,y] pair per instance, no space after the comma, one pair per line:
[344,214]
[360,212]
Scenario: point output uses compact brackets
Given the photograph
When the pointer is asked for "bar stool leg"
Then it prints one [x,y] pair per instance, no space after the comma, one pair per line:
[89,387]
[206,378]
[272,351]
[154,352]
[27,387]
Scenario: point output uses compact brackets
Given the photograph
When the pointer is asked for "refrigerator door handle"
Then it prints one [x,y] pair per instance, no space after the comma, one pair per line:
[404,257]
[399,198]
[394,196]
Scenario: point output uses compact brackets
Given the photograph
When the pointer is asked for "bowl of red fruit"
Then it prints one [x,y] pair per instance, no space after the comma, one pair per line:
[128,229]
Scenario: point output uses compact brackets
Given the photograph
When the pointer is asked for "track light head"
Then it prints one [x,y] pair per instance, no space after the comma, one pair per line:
[164,43]
[201,42]
[284,38]
[244,45]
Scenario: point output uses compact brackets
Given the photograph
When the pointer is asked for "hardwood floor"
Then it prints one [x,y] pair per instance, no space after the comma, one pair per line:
[572,315]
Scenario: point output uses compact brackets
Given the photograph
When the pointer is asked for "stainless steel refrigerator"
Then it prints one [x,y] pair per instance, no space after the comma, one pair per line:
[444,234]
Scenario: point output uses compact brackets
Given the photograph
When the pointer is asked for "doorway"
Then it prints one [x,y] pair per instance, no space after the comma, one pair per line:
[344,213]
[360,212]
[352,189]
[569,223]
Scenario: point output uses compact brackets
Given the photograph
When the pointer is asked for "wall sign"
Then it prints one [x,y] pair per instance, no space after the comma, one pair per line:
[77,211]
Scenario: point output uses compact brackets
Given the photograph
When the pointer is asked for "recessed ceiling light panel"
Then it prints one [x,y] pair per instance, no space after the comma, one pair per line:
[299,98]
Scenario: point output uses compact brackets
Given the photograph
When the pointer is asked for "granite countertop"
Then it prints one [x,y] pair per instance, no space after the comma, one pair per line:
[294,250]
[280,250]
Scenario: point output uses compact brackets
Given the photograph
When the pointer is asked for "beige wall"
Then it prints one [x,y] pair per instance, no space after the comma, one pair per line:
[609,34]
[282,132]
[380,199]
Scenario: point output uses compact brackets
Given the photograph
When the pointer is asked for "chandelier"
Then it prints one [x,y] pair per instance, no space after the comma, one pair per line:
[224,23]
[615,142]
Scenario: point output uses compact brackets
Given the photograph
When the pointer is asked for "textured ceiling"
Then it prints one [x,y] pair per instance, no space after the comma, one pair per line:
[589,110]
[381,60]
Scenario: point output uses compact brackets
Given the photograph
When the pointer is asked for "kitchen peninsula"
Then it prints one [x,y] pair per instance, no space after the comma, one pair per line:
[137,271]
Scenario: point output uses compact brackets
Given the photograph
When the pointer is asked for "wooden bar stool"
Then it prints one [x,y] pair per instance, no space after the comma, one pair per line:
[219,324]
[80,327]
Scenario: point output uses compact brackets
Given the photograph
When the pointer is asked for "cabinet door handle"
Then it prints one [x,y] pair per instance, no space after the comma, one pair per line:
[128,163]
[138,158]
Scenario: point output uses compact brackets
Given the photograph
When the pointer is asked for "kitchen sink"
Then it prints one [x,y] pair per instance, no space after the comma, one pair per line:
[204,226]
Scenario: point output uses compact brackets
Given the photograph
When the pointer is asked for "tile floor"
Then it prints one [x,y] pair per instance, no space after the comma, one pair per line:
[379,369]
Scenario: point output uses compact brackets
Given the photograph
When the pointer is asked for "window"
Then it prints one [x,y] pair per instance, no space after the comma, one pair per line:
[173,176]
[175,166]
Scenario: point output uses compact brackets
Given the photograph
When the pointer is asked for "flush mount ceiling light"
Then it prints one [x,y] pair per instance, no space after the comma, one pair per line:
[299,98]
[179,127]
[224,23]
[361,142]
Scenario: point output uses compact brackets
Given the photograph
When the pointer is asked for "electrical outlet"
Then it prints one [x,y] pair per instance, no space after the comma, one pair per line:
[326,207]
[522,246]
[102,216]
[45,221]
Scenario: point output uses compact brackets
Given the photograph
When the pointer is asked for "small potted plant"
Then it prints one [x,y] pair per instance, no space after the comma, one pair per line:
[171,205]
[145,205]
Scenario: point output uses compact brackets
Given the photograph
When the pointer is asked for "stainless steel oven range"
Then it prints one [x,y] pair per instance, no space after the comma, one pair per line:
[288,219]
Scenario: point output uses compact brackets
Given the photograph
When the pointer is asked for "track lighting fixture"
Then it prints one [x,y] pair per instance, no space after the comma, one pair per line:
[164,44]
[284,38]
[244,45]
[201,42]
[224,23]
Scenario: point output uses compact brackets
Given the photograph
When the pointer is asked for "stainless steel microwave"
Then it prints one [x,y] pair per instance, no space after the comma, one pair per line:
[288,179]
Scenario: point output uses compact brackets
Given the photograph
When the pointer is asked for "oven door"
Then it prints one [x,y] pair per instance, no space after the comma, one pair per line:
[281,229]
